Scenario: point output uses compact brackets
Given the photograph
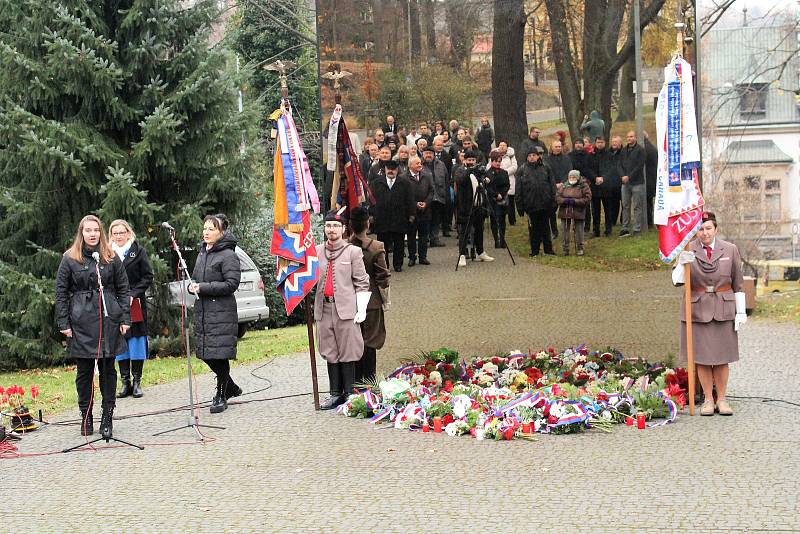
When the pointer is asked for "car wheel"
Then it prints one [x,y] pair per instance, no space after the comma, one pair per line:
[242,330]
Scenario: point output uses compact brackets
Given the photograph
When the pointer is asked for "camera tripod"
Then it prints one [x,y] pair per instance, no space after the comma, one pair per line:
[480,194]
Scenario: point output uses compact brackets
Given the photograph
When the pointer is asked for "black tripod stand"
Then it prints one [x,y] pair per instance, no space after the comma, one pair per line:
[105,323]
[480,195]
[194,421]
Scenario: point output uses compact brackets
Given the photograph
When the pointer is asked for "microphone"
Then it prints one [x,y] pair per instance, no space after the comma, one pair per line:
[167,226]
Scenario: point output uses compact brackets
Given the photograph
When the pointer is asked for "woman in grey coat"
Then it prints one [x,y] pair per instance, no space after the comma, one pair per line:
[215,280]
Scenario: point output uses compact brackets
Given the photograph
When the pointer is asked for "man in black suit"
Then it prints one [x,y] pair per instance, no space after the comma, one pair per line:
[393,211]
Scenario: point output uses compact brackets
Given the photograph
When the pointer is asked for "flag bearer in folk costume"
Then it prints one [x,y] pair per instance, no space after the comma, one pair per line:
[340,306]
[718,310]
[373,329]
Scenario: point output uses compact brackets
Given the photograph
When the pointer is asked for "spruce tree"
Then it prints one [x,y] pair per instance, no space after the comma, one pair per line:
[114,107]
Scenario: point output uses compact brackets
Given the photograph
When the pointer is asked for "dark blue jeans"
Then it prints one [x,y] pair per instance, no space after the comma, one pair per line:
[498,220]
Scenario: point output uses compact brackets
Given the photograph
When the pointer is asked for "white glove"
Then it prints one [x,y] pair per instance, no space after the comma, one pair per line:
[686,256]
[362,299]
[741,310]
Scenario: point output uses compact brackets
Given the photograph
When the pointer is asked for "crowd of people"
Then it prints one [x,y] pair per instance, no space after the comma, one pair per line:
[429,181]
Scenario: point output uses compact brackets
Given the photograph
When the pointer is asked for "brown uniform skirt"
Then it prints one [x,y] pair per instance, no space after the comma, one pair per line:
[715,343]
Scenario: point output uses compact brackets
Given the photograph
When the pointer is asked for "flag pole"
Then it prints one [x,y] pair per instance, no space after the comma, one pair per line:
[281,67]
[687,297]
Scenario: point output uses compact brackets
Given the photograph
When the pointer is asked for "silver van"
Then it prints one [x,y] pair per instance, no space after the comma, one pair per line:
[250,301]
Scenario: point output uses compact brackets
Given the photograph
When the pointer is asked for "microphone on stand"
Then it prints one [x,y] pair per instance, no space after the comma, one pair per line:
[167,226]
[96,258]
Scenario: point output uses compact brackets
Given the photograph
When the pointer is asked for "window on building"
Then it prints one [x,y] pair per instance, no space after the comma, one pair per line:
[729,186]
[772,204]
[773,185]
[753,100]
[753,182]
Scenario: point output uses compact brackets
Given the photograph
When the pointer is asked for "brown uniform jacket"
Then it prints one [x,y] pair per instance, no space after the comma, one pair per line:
[714,282]
[376,267]
[349,278]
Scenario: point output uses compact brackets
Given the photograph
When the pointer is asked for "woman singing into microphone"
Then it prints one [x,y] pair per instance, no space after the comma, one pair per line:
[80,317]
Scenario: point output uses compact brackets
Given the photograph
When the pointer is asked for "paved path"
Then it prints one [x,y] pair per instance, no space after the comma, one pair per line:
[280,467]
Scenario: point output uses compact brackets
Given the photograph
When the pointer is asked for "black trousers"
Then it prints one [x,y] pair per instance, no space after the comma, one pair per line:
[365,367]
[512,210]
[552,221]
[498,220]
[83,382]
[396,242]
[610,207]
[587,222]
[447,222]
[417,238]
[438,213]
[341,377]
[475,225]
[539,231]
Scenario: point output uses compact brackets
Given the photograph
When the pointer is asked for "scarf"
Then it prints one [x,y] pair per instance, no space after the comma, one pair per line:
[123,250]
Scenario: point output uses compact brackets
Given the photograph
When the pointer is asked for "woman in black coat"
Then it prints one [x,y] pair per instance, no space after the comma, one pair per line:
[79,314]
[216,322]
[140,276]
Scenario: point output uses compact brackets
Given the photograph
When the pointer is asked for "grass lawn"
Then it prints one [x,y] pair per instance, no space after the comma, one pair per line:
[609,254]
[57,384]
[779,306]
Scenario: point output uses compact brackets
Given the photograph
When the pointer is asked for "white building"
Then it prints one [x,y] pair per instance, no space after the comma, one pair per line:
[752,156]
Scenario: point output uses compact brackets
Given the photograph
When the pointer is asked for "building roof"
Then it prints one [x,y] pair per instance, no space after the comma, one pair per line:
[740,152]
[761,58]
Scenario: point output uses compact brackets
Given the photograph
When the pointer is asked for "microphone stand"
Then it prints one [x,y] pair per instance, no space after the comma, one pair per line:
[104,323]
[194,421]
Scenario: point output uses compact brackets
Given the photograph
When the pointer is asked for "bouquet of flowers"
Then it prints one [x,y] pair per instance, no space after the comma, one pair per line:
[515,394]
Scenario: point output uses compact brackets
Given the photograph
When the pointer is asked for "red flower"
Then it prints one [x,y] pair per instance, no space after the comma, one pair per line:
[2,390]
[551,350]
[552,419]
[546,411]
[607,357]
[533,373]
[34,391]
[448,386]
[602,396]
[683,377]
[470,373]
[21,391]
[447,419]
[584,351]
[672,379]
[497,360]
[479,363]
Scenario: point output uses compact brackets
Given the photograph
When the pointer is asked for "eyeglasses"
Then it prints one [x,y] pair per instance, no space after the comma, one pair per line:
[121,232]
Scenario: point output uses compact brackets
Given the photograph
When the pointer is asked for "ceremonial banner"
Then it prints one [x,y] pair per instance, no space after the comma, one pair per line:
[295,196]
[679,202]
[350,188]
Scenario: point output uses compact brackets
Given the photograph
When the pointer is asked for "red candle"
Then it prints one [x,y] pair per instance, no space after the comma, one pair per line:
[629,420]
[437,424]
[640,420]
[426,427]
[526,428]
[509,434]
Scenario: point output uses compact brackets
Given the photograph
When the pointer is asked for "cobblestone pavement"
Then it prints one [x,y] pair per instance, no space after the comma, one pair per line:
[281,467]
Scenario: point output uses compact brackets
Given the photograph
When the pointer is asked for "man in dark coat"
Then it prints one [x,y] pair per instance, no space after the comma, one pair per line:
[471,208]
[390,126]
[535,197]
[632,163]
[560,164]
[424,133]
[377,170]
[441,191]
[532,142]
[485,137]
[605,187]
[651,175]
[419,230]
[393,211]
[366,160]
[581,162]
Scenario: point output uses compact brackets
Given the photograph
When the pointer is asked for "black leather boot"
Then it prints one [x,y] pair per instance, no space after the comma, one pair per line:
[220,403]
[232,390]
[87,423]
[125,376]
[137,366]
[107,422]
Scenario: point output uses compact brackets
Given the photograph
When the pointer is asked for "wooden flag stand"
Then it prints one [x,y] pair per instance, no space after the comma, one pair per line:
[687,297]
[281,67]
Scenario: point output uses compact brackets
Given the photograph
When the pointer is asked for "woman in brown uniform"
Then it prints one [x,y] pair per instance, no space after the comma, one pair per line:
[718,310]
[373,329]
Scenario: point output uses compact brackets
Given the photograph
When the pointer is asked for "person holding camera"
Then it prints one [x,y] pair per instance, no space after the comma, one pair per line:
[216,277]
[471,208]
[140,276]
[496,192]
[95,325]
